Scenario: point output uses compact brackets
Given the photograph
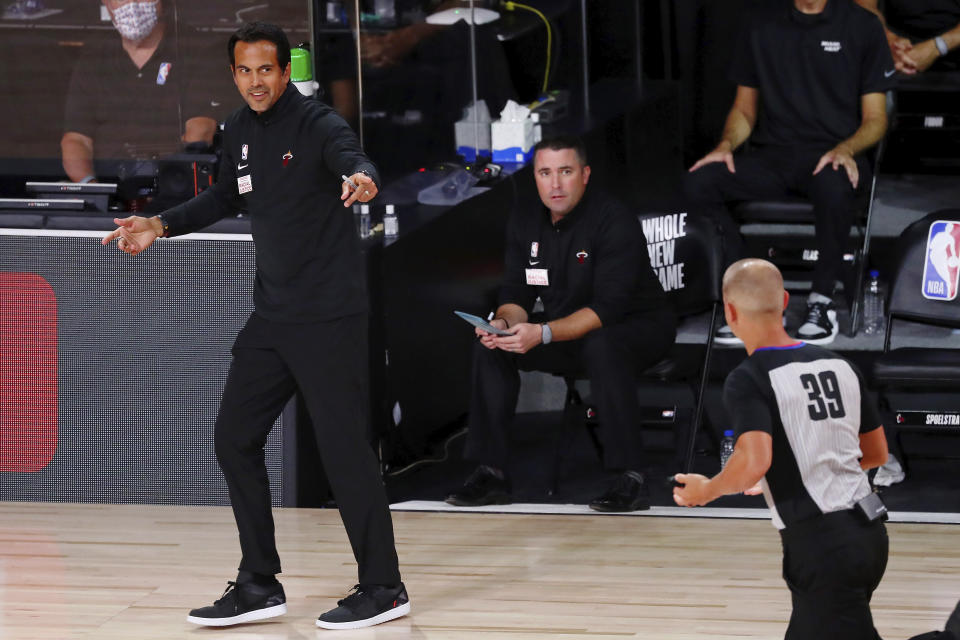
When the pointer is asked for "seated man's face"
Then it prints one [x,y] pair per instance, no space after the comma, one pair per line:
[258,75]
[561,180]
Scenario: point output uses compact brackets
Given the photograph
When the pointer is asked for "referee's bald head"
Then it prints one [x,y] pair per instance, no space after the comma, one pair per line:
[754,287]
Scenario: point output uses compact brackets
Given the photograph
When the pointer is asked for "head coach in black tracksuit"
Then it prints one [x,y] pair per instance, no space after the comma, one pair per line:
[806,431]
[811,77]
[283,156]
[605,313]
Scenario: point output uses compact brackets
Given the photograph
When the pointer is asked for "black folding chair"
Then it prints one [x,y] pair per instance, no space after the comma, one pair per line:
[927,369]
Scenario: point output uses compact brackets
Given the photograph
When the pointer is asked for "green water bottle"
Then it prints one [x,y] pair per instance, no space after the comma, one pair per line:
[301,70]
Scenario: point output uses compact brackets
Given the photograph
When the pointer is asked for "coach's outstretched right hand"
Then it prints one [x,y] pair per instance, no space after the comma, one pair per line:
[134,234]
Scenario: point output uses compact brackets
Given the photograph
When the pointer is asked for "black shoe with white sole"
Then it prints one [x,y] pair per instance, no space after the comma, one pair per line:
[242,602]
[367,606]
[820,326]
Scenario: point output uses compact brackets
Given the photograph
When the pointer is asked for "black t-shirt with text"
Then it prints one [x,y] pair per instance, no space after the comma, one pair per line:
[811,70]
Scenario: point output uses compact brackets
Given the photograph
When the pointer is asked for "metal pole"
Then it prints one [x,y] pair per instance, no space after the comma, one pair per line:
[356,37]
[638,40]
[473,80]
[311,16]
[585,54]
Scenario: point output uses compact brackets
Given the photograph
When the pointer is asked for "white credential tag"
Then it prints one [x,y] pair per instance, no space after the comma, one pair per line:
[538,277]
[244,184]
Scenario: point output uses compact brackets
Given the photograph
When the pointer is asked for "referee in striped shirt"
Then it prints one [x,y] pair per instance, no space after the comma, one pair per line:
[806,431]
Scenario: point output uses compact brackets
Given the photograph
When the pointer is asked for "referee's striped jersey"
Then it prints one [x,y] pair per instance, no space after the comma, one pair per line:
[813,404]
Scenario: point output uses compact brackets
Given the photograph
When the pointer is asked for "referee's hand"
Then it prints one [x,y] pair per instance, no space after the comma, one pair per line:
[693,490]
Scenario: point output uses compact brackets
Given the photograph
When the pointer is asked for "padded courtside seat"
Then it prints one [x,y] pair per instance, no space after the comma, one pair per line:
[689,264]
[921,369]
[787,210]
[917,366]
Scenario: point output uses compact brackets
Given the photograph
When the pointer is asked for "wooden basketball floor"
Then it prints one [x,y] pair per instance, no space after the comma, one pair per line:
[132,572]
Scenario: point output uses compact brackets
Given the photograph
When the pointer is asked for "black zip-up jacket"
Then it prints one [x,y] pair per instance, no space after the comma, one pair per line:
[308,254]
[595,255]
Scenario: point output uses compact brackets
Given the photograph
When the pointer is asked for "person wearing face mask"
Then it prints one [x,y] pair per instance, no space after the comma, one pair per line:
[144,97]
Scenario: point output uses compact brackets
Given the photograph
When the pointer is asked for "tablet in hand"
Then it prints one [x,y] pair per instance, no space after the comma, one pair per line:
[480,323]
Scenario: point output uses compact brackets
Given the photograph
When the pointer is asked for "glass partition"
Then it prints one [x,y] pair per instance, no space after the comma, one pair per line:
[105,89]
[102,88]
[404,72]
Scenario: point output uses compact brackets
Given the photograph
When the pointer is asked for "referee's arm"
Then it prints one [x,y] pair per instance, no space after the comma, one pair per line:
[873,446]
[746,467]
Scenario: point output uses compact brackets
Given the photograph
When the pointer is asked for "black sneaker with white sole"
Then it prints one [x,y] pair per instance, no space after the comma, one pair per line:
[367,606]
[724,335]
[820,326]
[242,602]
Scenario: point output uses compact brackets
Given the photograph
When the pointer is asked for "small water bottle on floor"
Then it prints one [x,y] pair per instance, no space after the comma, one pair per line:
[873,305]
[726,447]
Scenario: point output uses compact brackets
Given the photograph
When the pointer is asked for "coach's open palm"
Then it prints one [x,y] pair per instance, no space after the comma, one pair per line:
[134,234]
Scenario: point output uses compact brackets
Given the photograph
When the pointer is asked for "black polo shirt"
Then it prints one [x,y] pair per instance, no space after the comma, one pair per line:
[595,257]
[813,404]
[811,70]
[141,113]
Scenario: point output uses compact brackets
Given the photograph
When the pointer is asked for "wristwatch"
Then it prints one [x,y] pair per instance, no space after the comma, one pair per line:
[164,225]
[941,45]
[547,335]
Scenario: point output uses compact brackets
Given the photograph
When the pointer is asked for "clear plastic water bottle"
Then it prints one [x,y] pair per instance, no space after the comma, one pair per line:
[391,226]
[726,447]
[364,221]
[874,297]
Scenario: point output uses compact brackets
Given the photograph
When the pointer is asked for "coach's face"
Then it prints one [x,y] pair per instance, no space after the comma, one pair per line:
[257,74]
[561,180]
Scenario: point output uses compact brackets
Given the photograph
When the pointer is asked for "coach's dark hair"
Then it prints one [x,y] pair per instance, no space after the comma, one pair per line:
[559,143]
[257,32]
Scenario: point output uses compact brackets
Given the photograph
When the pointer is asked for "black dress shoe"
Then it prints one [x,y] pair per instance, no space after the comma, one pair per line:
[484,486]
[627,493]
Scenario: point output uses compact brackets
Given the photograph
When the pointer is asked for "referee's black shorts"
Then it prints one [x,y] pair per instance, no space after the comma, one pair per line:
[832,564]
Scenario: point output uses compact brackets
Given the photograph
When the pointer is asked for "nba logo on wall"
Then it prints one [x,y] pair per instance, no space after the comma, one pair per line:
[28,372]
[941,270]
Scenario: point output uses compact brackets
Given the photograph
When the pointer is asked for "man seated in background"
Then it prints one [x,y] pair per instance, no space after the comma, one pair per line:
[922,34]
[143,97]
[811,77]
[604,311]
